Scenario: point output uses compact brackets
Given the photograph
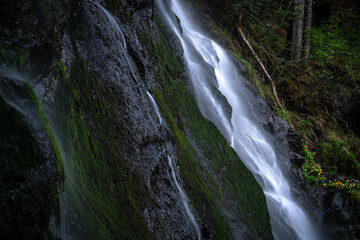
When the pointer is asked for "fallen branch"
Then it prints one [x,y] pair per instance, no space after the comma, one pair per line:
[262,47]
[264,70]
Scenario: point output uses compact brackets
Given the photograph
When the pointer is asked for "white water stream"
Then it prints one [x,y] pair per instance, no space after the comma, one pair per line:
[206,61]
[117,33]
[183,196]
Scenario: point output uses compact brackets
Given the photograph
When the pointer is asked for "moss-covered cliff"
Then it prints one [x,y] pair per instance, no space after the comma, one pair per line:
[93,87]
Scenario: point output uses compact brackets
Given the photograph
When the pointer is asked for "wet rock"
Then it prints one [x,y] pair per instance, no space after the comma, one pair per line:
[340,213]
[336,202]
[91,73]
[28,176]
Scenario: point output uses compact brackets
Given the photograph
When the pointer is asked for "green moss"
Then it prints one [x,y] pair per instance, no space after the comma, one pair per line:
[194,183]
[103,191]
[167,58]
[264,89]
[181,113]
[60,70]
[45,123]
[14,58]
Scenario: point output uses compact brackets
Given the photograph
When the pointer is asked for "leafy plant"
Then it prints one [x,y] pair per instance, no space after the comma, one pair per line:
[339,155]
[311,170]
[336,51]
[313,173]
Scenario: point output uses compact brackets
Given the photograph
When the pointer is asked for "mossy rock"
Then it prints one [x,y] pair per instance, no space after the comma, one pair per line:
[104,192]
[28,196]
[192,131]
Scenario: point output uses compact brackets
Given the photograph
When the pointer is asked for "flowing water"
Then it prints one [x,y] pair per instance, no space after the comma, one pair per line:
[15,92]
[183,196]
[212,71]
[213,75]
[119,35]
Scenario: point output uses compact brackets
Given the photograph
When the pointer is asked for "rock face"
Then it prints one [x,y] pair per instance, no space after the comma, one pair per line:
[341,215]
[28,172]
[91,68]
[338,213]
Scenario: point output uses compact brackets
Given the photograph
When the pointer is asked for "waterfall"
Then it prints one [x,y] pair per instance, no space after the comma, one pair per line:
[183,196]
[16,98]
[212,71]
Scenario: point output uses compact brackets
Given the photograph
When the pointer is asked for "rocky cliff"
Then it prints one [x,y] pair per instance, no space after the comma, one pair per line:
[91,68]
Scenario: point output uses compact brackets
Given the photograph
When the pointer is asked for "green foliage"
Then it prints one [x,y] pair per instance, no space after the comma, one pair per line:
[340,158]
[253,7]
[307,123]
[282,114]
[311,170]
[304,127]
[341,186]
[336,49]
[313,173]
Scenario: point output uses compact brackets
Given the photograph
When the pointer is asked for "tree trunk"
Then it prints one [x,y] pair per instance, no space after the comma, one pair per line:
[308,27]
[297,31]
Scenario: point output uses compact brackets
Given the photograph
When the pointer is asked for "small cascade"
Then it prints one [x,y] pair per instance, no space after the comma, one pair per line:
[64,224]
[183,196]
[214,73]
[14,88]
[156,108]
[118,33]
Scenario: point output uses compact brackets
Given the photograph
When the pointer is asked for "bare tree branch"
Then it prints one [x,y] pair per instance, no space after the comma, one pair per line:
[264,70]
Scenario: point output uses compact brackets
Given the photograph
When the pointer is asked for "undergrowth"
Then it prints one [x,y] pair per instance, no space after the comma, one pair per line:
[314,173]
